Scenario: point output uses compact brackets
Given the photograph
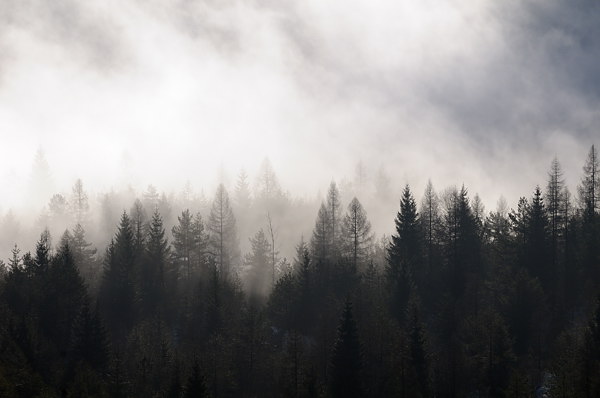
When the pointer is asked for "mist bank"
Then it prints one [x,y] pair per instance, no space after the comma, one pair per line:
[162,93]
[258,198]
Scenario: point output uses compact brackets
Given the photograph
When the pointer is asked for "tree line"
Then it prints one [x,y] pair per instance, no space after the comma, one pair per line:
[457,302]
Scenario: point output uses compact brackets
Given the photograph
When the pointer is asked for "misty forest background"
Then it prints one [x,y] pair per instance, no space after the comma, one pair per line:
[256,293]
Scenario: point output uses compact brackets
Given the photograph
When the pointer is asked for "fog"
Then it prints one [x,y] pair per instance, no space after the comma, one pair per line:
[127,94]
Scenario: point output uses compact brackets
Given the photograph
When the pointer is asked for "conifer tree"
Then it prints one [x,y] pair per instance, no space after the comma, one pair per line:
[333,207]
[118,292]
[189,243]
[346,360]
[589,189]
[403,255]
[154,270]
[357,236]
[242,192]
[267,183]
[63,296]
[537,239]
[554,207]
[139,220]
[430,220]
[320,242]
[84,255]
[90,342]
[258,264]
[405,247]
[223,235]
[79,203]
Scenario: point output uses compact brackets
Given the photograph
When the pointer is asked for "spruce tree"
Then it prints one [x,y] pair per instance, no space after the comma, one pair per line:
[403,255]
[154,268]
[118,291]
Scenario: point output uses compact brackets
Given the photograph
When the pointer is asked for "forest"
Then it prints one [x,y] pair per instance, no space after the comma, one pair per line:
[457,302]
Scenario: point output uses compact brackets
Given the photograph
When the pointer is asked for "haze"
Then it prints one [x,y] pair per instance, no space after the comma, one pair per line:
[151,92]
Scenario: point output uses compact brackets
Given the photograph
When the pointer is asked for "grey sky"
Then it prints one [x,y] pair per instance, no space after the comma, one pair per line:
[480,92]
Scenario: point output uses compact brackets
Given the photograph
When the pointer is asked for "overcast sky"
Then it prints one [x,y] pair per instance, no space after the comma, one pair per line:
[484,93]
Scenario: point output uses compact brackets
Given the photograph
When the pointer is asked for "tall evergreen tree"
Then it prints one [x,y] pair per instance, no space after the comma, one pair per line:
[118,292]
[537,241]
[139,221]
[333,207]
[357,237]
[554,207]
[223,234]
[346,360]
[319,242]
[267,184]
[85,256]
[258,263]
[403,255]
[185,242]
[154,269]
[242,197]
[79,203]
[589,197]
[90,342]
[589,189]
[63,296]
[430,221]
[462,244]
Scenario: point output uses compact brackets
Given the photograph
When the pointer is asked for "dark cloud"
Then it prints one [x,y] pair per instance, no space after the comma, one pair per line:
[544,77]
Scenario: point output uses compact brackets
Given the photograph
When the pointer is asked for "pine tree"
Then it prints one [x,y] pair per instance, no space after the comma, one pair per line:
[139,220]
[430,220]
[154,268]
[357,235]
[84,255]
[223,235]
[346,360]
[79,203]
[333,207]
[589,197]
[319,242]
[537,241]
[258,264]
[403,255]
[405,247]
[90,342]
[305,282]
[267,185]
[462,244]
[183,242]
[118,291]
[554,206]
[63,295]
[151,198]
[589,189]
[242,193]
